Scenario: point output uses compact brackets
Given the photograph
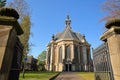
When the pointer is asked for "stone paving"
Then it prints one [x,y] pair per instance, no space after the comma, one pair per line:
[68,76]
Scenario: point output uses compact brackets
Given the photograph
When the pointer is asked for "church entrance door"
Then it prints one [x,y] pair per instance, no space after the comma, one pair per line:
[68,67]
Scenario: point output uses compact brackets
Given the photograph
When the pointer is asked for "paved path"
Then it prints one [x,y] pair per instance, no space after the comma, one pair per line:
[68,76]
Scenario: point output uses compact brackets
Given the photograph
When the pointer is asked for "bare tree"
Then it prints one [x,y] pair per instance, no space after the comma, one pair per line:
[2,3]
[112,7]
[22,8]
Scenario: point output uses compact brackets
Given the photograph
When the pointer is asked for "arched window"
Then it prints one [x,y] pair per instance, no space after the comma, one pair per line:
[60,54]
[76,53]
[67,52]
[49,55]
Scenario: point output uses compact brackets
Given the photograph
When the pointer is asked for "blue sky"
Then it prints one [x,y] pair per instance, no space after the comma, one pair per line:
[48,17]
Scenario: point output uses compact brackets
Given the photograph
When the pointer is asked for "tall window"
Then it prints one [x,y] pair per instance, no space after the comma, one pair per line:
[60,54]
[49,54]
[67,52]
[76,53]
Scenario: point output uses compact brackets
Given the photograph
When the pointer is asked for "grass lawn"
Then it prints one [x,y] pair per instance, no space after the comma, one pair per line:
[37,75]
[87,75]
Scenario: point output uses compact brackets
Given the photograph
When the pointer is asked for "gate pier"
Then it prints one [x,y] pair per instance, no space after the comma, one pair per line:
[112,37]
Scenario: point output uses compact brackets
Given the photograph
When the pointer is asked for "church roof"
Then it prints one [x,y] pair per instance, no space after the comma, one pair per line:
[68,34]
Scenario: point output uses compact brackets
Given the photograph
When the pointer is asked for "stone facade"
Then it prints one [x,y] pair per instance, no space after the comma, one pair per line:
[112,37]
[9,31]
[68,51]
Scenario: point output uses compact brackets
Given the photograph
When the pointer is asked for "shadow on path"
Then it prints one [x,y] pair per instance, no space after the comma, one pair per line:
[68,76]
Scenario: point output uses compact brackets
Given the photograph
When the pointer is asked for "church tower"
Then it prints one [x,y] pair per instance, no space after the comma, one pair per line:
[68,51]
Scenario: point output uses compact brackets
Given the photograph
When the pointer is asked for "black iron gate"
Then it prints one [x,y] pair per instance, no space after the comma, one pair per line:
[102,63]
[16,62]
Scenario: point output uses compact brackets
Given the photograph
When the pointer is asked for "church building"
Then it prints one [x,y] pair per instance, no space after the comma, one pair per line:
[68,51]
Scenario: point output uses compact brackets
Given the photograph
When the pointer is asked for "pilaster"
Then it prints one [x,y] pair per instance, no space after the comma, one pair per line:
[57,54]
[51,57]
[85,57]
[46,62]
[79,54]
[72,51]
[63,51]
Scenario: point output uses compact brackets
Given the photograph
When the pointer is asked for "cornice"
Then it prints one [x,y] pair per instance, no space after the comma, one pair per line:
[113,30]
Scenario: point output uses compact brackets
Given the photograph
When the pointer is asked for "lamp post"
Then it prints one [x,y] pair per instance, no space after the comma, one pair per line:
[24,62]
[25,59]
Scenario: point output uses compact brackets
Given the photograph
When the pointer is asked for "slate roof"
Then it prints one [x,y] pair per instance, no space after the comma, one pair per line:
[68,34]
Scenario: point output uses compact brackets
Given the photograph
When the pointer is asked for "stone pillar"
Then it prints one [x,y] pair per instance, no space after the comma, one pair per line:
[81,58]
[84,49]
[79,54]
[57,53]
[9,29]
[89,58]
[63,56]
[79,65]
[72,51]
[112,37]
[51,56]
[50,60]
[46,60]
[63,51]
[56,57]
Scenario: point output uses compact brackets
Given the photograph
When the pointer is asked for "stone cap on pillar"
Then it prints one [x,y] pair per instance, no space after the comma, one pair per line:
[112,22]
[113,27]
[9,16]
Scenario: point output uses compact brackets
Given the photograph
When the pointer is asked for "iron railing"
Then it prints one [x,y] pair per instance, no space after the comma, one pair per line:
[102,63]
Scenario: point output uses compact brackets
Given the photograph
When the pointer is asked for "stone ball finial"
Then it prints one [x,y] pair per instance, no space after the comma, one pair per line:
[112,22]
[10,12]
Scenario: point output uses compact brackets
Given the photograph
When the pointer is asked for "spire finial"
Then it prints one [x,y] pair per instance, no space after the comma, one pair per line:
[68,21]
[68,17]
[53,37]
